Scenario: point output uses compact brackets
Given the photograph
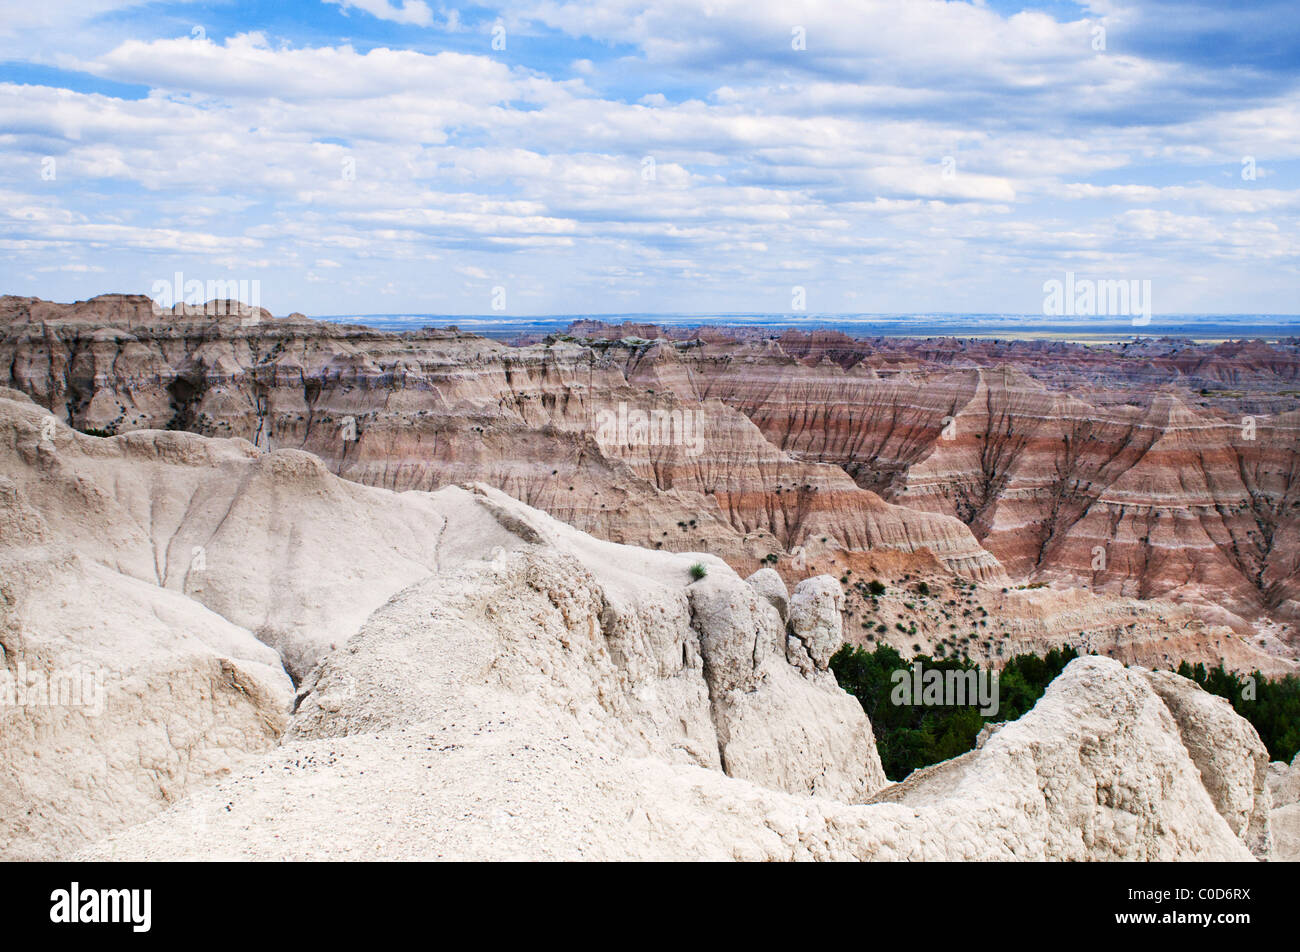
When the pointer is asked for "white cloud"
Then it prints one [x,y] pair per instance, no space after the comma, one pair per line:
[1242,200]
[393,163]
[413,12]
[247,65]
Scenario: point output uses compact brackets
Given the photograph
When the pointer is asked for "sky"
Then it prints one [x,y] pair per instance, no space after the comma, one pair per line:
[570,157]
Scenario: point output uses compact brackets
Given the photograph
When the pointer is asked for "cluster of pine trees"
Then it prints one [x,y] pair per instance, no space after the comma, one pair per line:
[909,736]
[1272,706]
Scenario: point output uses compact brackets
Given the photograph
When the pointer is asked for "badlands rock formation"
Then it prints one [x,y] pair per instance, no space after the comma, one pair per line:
[1132,471]
[1096,772]
[479,680]
[1284,790]
[927,613]
[1157,496]
[431,409]
[99,535]
[1217,738]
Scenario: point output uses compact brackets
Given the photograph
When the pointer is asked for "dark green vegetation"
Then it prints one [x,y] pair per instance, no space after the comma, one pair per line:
[909,736]
[913,735]
[698,571]
[1273,707]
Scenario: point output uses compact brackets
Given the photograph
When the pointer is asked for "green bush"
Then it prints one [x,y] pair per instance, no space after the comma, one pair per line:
[913,735]
[698,571]
[1273,707]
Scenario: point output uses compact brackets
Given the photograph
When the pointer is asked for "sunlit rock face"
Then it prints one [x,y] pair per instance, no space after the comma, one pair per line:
[291,665]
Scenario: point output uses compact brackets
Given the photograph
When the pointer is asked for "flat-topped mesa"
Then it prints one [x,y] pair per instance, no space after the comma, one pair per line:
[131,312]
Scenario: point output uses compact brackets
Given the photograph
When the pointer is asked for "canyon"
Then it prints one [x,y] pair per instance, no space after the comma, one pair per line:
[1140,500]
[484,681]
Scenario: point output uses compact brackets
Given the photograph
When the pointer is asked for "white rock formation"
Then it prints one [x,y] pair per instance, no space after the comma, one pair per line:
[769,585]
[1284,787]
[1233,761]
[271,542]
[500,775]
[778,725]
[117,695]
[815,619]
[503,686]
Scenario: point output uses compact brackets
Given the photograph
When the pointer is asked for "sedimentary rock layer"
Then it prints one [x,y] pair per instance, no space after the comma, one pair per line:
[555,425]
[488,682]
[1127,470]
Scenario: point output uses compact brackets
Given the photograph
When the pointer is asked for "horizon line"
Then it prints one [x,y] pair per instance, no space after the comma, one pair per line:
[705,315]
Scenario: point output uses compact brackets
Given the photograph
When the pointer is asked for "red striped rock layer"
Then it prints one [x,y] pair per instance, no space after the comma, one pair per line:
[1152,497]
[1253,377]
[1128,490]
[419,411]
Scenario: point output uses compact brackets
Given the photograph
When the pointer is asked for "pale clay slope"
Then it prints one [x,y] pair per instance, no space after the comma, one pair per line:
[1095,772]
[514,688]
[125,506]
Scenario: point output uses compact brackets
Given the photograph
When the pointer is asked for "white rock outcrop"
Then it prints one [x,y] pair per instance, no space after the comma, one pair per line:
[779,724]
[478,680]
[770,587]
[1284,788]
[500,775]
[1233,761]
[117,696]
[815,619]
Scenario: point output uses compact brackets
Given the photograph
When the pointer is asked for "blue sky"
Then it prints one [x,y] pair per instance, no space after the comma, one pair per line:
[371,156]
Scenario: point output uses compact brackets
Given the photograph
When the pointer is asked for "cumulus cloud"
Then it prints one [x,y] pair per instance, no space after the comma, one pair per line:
[414,12]
[687,156]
